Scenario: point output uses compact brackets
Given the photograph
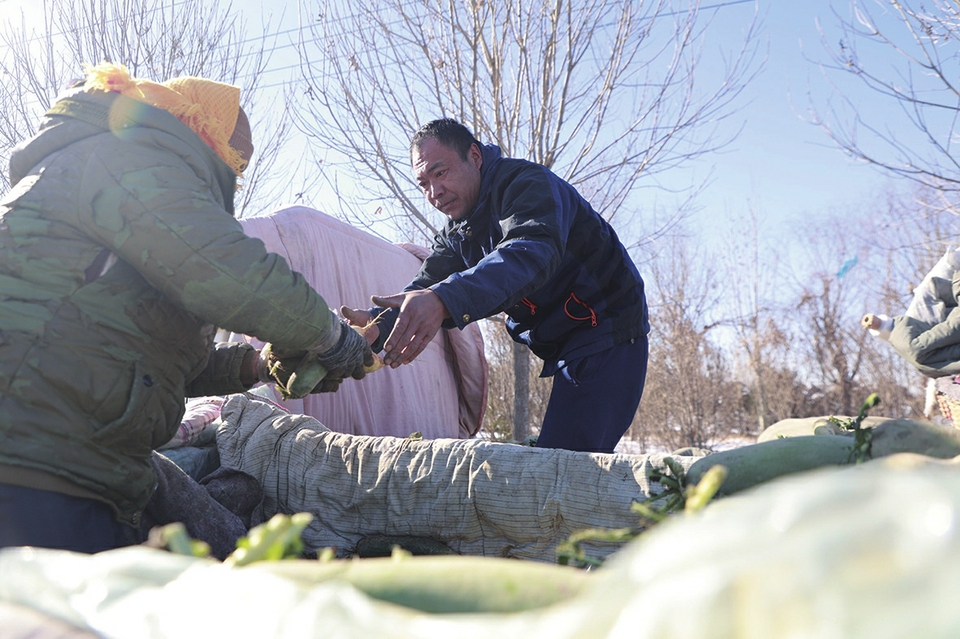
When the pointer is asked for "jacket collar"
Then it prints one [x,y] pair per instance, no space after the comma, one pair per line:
[488,171]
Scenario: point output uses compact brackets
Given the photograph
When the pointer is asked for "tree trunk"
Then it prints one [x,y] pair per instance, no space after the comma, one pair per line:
[521,392]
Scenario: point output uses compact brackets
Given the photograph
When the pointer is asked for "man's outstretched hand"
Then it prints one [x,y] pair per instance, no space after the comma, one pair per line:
[363,319]
[421,314]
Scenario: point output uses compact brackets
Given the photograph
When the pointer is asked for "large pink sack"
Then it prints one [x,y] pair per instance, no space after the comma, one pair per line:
[443,393]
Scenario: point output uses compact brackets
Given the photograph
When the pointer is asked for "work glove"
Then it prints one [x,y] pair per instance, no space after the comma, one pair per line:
[298,373]
[349,357]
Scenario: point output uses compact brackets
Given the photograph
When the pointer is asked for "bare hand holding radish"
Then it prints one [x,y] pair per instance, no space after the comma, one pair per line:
[421,314]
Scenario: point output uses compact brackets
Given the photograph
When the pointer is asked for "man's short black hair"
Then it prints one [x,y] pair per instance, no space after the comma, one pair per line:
[447,132]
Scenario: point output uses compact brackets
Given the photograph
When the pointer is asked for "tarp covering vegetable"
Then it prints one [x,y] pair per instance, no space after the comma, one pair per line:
[869,551]
[478,498]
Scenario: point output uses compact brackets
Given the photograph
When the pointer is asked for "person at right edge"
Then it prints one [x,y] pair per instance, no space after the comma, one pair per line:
[520,240]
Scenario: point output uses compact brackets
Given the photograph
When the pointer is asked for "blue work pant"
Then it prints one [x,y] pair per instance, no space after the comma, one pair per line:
[31,517]
[595,398]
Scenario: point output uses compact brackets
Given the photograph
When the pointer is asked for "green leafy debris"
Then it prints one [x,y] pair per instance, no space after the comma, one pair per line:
[278,538]
[676,494]
[862,437]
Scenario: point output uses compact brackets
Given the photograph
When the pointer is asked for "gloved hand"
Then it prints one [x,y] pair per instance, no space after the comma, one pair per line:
[349,357]
[298,372]
[276,365]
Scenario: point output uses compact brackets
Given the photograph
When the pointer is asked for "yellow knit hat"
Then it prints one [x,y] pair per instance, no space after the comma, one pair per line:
[209,108]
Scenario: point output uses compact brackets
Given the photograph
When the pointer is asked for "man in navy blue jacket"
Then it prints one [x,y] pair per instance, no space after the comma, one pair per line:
[522,241]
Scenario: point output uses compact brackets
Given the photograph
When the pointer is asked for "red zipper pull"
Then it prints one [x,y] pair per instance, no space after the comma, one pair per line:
[593,315]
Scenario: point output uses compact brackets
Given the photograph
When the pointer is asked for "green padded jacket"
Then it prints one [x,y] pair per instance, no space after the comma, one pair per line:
[119,257]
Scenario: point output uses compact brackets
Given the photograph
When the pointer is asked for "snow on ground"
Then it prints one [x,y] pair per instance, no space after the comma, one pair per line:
[632,447]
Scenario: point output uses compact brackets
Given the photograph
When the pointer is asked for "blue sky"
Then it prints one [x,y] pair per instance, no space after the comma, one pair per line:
[780,165]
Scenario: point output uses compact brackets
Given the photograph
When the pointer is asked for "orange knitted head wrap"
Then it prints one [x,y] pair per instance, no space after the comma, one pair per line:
[209,108]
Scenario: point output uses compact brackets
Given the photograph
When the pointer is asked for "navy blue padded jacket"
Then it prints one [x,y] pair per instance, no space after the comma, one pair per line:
[535,249]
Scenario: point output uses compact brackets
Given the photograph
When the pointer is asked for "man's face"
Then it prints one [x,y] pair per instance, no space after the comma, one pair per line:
[451,184]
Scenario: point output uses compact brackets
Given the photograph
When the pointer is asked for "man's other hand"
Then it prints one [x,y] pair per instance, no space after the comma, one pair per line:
[421,314]
[364,319]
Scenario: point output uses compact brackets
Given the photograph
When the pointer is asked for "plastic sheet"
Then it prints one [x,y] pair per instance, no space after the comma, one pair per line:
[871,551]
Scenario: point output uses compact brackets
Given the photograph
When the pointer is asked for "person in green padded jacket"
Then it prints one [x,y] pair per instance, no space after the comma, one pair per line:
[119,258]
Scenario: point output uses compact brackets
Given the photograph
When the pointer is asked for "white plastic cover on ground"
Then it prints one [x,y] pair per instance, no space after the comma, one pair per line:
[478,498]
[796,427]
[442,394]
[866,552]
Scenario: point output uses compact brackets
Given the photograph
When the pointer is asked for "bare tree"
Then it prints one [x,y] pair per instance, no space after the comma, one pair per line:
[690,398]
[752,277]
[908,231]
[154,39]
[604,92]
[775,390]
[835,346]
[831,295]
[905,53]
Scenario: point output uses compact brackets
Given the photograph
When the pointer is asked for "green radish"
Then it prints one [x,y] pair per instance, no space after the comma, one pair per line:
[302,381]
[755,464]
[305,376]
[444,584]
[758,463]
[915,436]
